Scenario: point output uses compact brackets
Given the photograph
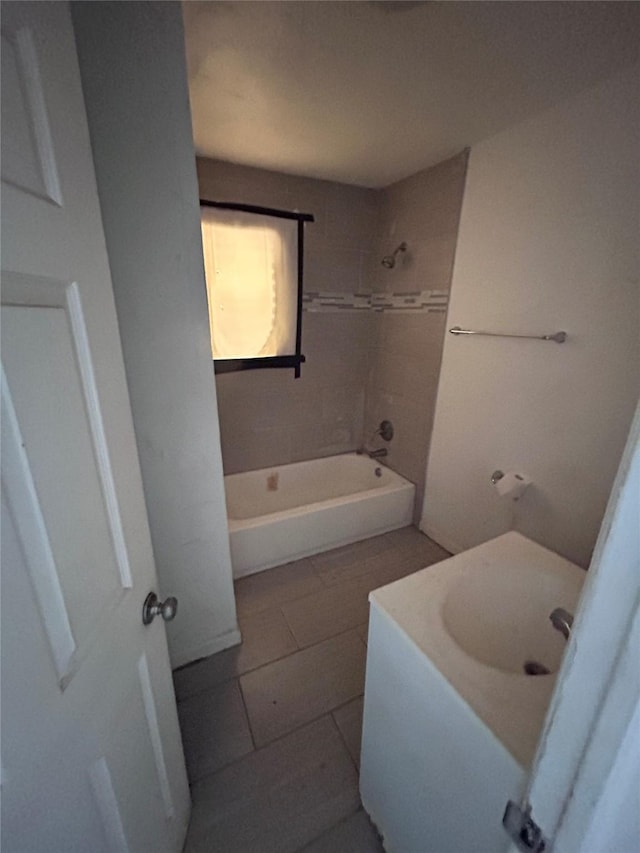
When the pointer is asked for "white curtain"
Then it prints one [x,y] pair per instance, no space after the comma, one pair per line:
[251,271]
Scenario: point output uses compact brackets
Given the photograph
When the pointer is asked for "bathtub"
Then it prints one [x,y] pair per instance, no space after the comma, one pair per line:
[277,515]
[451,720]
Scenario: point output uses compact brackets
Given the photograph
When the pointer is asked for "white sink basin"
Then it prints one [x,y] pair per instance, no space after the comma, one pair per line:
[479,617]
[501,618]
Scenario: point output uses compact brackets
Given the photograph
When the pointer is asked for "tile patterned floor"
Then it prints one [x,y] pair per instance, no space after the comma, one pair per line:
[271,728]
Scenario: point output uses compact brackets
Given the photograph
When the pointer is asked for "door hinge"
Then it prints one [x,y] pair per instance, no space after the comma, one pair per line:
[522,829]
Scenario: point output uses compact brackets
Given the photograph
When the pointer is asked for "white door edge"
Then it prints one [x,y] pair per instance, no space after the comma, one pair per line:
[595,699]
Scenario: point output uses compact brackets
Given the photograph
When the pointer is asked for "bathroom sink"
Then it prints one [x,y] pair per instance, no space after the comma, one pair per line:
[478,619]
[497,616]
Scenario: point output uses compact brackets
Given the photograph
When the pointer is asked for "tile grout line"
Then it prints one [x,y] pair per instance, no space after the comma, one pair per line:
[328,714]
[299,648]
[317,572]
[281,603]
[352,580]
[246,712]
[348,702]
[319,642]
[225,766]
[331,828]
[404,557]
[331,712]
[239,675]
[291,631]
[344,741]
[306,648]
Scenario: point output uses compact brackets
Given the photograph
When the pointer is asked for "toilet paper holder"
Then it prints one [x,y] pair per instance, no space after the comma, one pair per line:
[511,484]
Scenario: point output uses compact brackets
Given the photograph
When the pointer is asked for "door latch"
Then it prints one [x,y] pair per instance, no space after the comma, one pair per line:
[522,829]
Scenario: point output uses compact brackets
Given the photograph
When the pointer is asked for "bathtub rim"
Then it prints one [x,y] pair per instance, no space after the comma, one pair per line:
[398,483]
[278,538]
[308,509]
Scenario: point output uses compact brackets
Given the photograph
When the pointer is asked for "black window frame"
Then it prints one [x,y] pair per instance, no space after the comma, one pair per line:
[231,365]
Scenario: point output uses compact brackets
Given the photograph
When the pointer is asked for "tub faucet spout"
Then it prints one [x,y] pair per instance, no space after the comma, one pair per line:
[562,621]
[378,454]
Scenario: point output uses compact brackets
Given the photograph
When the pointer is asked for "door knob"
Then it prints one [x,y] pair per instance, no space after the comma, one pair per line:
[153,607]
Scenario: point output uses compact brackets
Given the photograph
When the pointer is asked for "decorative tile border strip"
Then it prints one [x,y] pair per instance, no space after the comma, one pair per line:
[331,301]
[423,301]
[431,301]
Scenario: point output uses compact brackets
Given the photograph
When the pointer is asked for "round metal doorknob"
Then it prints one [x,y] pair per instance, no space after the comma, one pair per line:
[153,607]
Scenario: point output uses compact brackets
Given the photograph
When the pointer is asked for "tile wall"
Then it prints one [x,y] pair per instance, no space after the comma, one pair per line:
[266,416]
[422,210]
[372,337]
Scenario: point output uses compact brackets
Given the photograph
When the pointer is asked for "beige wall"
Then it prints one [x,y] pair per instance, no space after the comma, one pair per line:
[266,416]
[548,241]
[360,368]
[424,211]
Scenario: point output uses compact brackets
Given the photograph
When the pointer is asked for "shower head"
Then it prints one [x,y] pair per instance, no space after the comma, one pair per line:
[389,261]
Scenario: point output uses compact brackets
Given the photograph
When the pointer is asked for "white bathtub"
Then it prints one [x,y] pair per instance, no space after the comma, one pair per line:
[281,514]
[451,721]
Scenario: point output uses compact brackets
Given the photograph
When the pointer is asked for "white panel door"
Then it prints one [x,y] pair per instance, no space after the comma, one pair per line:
[582,790]
[91,751]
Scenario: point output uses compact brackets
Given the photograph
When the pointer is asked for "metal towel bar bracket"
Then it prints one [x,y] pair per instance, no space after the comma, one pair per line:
[558,337]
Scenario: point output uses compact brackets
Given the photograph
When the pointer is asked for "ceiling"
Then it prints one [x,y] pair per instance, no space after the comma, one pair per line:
[369,92]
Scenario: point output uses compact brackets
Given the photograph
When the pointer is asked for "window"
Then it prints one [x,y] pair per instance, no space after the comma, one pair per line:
[253,269]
